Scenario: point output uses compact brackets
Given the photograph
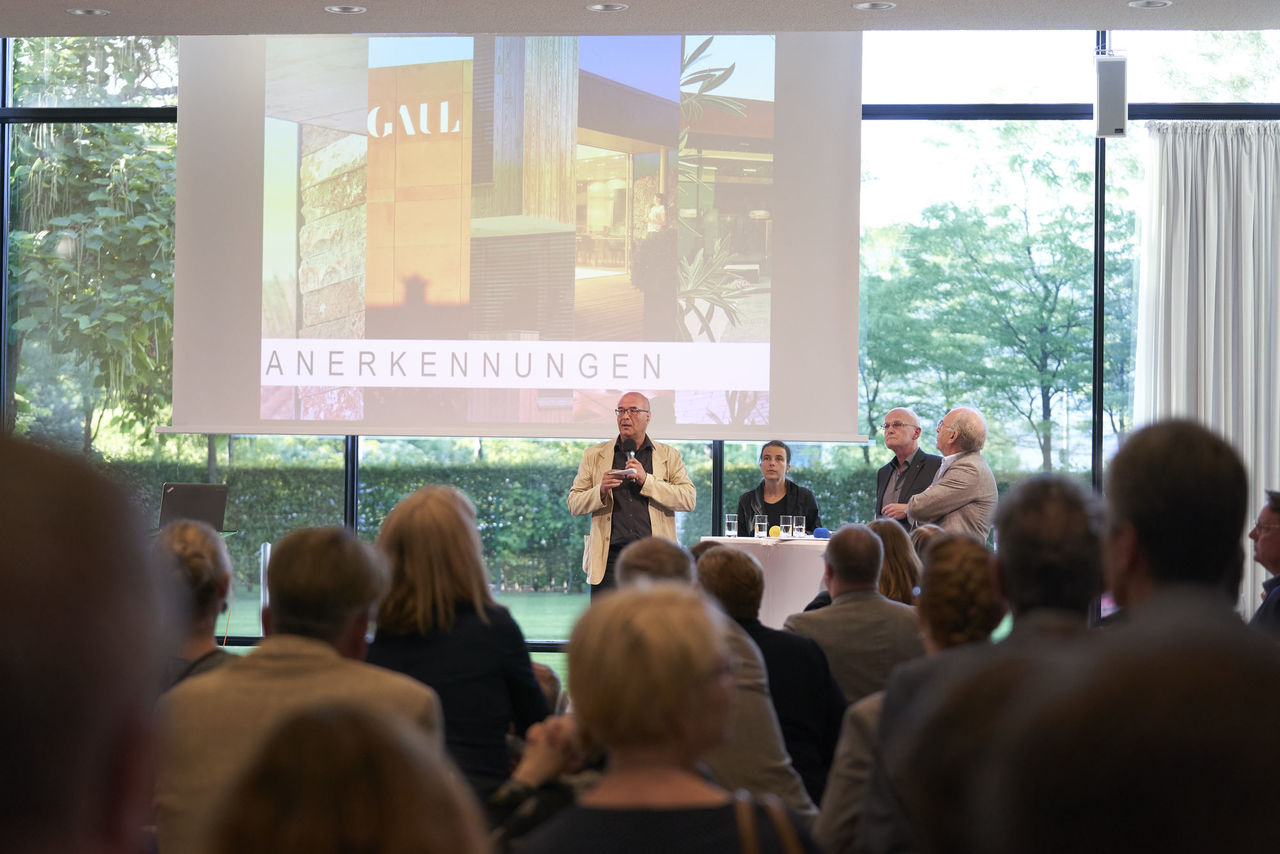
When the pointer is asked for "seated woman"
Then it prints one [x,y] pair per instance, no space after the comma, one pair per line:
[650,680]
[440,625]
[339,779]
[776,495]
[194,558]
[900,570]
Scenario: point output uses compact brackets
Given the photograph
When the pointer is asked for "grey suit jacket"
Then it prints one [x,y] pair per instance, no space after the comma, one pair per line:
[963,500]
[755,757]
[214,724]
[864,635]
[837,824]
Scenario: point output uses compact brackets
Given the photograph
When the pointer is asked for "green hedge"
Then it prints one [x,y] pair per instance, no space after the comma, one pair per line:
[531,541]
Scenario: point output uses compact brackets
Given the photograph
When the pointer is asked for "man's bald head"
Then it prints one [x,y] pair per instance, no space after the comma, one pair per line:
[657,559]
[79,647]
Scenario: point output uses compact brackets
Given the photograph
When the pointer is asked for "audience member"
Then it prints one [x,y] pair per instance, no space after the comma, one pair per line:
[755,757]
[1049,567]
[863,634]
[80,613]
[922,536]
[1266,551]
[959,604]
[656,715]
[900,570]
[195,558]
[324,585]
[338,779]
[806,698]
[440,625]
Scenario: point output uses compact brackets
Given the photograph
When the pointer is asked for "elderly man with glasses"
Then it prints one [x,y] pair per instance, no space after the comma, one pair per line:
[962,498]
[631,486]
[910,471]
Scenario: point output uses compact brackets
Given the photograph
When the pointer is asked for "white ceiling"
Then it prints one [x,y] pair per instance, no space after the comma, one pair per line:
[188,17]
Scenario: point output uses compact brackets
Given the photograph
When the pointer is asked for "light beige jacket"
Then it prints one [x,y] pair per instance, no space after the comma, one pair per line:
[667,487]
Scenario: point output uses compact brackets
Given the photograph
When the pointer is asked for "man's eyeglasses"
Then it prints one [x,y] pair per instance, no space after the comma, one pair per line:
[896,425]
[942,427]
[630,410]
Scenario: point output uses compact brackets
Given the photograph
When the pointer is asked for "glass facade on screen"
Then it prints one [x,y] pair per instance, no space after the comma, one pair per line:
[977,288]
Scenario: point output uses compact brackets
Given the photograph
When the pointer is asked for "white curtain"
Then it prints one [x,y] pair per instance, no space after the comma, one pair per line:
[1209,293]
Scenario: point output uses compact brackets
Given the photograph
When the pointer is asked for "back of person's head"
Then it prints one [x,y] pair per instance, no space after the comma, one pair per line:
[923,535]
[1184,492]
[1155,743]
[337,779]
[959,601]
[654,558]
[900,571]
[701,547]
[196,560]
[855,555]
[1049,545]
[437,561]
[319,580]
[734,579]
[80,643]
[971,429]
[640,661]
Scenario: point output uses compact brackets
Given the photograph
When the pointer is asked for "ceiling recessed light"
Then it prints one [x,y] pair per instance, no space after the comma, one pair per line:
[88,13]
[873,7]
[607,7]
[1150,4]
[346,10]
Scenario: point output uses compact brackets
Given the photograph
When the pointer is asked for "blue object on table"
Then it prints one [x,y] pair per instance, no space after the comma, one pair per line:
[821,534]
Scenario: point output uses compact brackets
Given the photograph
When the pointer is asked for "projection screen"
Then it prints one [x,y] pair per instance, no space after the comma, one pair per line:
[498,235]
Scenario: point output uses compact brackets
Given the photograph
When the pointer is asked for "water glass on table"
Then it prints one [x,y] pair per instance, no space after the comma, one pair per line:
[784,527]
[731,524]
[762,526]
[797,526]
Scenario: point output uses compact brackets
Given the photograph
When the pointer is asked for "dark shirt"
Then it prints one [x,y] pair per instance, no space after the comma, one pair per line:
[809,703]
[697,830]
[631,509]
[1267,617]
[797,501]
[891,492]
[485,681]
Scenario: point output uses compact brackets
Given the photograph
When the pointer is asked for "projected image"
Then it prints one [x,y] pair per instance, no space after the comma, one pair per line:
[510,229]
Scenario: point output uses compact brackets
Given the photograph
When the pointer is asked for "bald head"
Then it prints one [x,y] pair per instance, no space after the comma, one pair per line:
[853,556]
[970,428]
[654,558]
[79,643]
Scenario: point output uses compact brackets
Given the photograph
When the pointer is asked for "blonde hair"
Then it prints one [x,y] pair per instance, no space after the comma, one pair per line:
[335,779]
[195,558]
[639,660]
[900,570]
[436,559]
[959,601]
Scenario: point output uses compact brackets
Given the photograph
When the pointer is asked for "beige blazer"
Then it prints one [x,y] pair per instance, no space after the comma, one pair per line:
[214,724]
[962,499]
[667,487]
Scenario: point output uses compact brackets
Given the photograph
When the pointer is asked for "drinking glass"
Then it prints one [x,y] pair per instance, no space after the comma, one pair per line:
[731,524]
[797,526]
[762,526]
[784,527]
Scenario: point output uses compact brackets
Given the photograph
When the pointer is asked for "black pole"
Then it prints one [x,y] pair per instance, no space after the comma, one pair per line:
[717,488]
[6,139]
[351,482]
[1099,286]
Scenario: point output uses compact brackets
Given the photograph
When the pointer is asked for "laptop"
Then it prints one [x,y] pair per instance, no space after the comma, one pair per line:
[199,502]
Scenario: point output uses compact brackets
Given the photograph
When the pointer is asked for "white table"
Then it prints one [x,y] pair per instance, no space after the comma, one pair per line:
[792,572]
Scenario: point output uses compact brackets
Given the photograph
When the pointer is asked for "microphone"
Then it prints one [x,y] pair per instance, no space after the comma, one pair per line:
[629,445]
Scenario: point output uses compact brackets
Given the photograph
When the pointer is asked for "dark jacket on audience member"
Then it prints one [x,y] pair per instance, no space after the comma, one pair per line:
[485,681]
[809,703]
[1267,617]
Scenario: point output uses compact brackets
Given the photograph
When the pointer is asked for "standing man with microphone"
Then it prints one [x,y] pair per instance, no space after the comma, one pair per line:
[632,487]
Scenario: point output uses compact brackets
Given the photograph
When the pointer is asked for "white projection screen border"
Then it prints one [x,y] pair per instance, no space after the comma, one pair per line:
[497,235]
